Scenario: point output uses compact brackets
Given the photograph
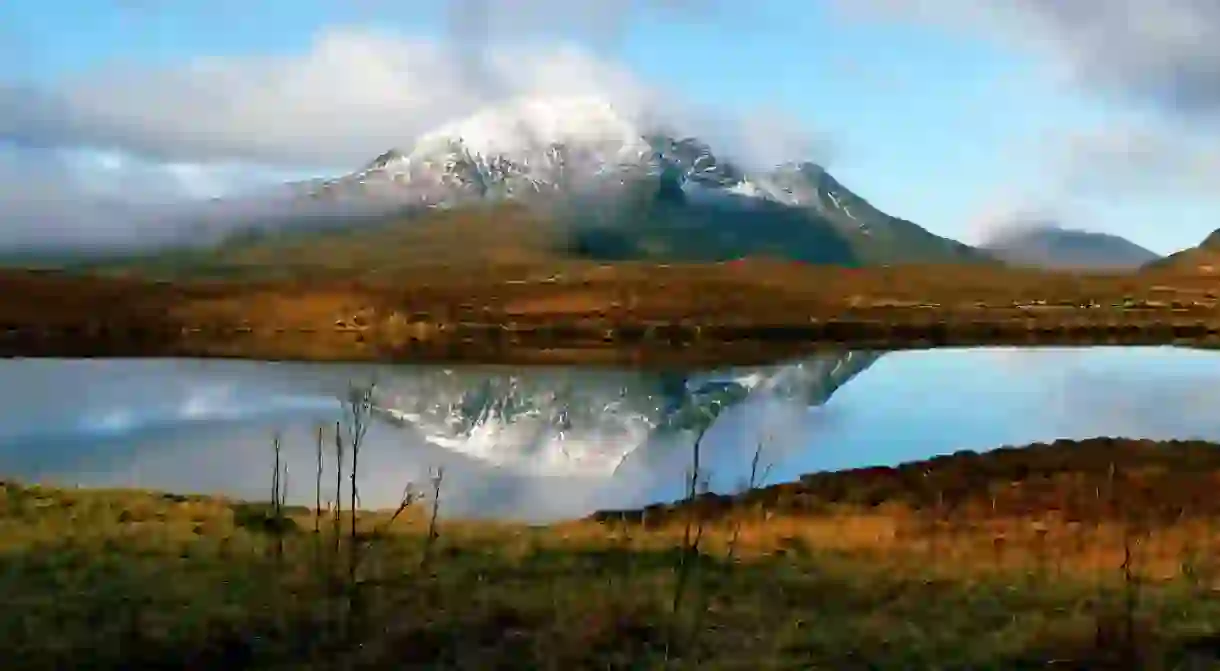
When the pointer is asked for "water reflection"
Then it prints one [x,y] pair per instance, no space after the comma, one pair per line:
[551,442]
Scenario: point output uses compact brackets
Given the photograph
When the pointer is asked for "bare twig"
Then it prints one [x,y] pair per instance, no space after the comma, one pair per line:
[754,481]
[1131,589]
[409,497]
[275,472]
[317,506]
[277,499]
[338,517]
[701,593]
[438,477]
[685,557]
[359,407]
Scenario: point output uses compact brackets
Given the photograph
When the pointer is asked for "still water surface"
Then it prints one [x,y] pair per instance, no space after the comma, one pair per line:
[544,443]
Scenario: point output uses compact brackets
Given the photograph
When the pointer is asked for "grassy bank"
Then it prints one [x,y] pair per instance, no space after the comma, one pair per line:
[1004,560]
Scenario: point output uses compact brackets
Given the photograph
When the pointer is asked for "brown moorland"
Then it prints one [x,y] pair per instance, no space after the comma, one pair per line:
[1072,496]
[581,312]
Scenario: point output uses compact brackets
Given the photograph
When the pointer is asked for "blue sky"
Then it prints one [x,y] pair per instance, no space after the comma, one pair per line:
[962,121]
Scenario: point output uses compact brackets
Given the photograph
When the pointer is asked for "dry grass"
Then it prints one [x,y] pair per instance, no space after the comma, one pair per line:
[573,596]
[902,537]
[118,579]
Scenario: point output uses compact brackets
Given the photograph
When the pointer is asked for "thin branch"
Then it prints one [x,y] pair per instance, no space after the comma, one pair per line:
[437,478]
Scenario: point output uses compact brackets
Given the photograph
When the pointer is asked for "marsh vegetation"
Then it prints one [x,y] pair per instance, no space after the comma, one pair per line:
[1094,553]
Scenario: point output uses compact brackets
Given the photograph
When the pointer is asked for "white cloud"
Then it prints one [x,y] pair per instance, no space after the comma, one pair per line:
[1122,163]
[353,94]
[1140,159]
[65,198]
[1013,213]
[80,158]
[1163,52]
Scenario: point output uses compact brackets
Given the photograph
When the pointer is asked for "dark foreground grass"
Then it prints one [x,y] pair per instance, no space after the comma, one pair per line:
[127,579]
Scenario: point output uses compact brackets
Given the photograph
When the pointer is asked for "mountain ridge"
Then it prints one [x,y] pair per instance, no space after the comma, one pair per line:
[1051,246]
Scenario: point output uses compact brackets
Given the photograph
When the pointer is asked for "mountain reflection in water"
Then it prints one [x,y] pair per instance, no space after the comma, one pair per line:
[549,442]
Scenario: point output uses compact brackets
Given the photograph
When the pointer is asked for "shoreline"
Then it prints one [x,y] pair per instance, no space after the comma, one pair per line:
[947,482]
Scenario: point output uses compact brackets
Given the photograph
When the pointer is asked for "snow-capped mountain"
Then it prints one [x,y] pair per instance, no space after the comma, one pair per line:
[529,147]
[557,421]
[600,168]
[541,146]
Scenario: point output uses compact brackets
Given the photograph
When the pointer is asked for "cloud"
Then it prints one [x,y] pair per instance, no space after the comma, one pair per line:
[82,164]
[475,24]
[1010,224]
[353,94]
[1012,213]
[1151,68]
[65,199]
[1129,162]
[766,137]
[120,158]
[1139,159]
[1165,53]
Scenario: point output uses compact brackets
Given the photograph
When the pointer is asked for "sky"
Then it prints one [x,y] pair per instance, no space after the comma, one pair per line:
[965,117]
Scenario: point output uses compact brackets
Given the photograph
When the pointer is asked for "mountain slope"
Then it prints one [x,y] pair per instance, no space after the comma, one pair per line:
[574,179]
[1051,246]
[1205,257]
[875,236]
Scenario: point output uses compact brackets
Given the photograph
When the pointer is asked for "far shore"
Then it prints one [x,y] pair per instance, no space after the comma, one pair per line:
[629,314]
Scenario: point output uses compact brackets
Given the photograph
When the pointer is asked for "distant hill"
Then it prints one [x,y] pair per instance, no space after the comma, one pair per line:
[560,179]
[1205,257]
[1059,248]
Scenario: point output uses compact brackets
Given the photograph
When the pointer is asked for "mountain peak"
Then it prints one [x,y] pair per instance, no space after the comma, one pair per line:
[635,188]
[538,145]
[806,168]
[524,125]
[385,159]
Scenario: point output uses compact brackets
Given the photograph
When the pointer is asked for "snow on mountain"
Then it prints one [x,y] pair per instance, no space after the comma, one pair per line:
[523,148]
[536,125]
[538,146]
[569,421]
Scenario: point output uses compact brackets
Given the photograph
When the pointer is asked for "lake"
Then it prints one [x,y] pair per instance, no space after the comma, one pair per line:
[546,443]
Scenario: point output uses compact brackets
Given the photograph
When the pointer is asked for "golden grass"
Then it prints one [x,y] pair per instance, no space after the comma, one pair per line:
[903,538]
[792,576]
